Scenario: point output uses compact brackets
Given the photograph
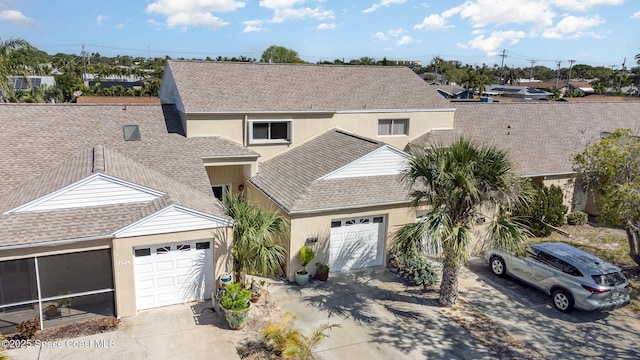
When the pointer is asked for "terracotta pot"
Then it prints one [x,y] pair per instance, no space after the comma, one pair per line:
[322,277]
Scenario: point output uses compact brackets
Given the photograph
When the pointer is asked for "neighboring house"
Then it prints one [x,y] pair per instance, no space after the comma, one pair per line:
[453,92]
[542,138]
[328,139]
[519,92]
[28,82]
[107,205]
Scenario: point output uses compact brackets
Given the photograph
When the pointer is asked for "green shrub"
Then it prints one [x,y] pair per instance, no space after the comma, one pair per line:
[28,328]
[235,297]
[547,207]
[413,268]
[577,218]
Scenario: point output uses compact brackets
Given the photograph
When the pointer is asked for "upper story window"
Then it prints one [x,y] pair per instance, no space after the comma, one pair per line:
[393,127]
[269,132]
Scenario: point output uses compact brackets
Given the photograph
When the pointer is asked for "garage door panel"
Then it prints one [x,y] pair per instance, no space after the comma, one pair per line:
[357,243]
[173,273]
[166,265]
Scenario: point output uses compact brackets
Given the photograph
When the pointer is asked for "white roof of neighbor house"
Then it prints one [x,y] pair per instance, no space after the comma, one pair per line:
[207,86]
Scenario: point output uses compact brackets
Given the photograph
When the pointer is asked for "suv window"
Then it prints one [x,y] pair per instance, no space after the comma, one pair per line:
[558,264]
[612,279]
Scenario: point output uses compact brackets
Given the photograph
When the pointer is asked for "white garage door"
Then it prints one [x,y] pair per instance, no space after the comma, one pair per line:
[356,243]
[173,273]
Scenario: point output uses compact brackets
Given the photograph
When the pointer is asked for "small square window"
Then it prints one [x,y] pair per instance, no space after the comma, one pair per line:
[378,220]
[142,252]
[336,223]
[393,127]
[203,245]
[131,132]
[183,247]
[269,131]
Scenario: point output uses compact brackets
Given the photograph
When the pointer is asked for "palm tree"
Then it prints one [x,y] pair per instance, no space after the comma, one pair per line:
[459,185]
[257,238]
[9,67]
[482,81]
[291,342]
[469,80]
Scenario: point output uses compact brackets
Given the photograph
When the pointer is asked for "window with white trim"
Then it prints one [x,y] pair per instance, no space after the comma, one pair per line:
[270,131]
[393,127]
[220,191]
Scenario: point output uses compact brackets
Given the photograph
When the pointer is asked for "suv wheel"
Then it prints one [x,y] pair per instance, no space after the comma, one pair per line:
[497,266]
[562,300]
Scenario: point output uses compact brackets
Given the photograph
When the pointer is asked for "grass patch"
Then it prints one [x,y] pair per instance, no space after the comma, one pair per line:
[611,245]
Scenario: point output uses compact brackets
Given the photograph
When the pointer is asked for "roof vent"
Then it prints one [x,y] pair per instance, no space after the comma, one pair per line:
[131,132]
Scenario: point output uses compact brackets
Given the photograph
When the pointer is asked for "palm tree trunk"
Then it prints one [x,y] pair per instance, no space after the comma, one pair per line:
[449,284]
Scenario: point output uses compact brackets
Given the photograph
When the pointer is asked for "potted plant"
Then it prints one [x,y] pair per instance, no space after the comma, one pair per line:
[322,271]
[234,303]
[225,279]
[306,255]
[256,290]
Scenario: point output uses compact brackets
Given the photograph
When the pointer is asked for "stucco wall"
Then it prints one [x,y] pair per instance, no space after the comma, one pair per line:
[307,126]
[124,278]
[319,225]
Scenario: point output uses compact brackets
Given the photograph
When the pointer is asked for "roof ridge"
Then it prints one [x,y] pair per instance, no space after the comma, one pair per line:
[99,163]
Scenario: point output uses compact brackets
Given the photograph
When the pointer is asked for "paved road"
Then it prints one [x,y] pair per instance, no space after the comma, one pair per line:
[528,314]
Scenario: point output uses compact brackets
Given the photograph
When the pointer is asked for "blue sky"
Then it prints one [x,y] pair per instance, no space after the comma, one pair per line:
[595,32]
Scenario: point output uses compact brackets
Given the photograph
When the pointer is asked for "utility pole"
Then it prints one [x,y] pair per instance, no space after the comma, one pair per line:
[502,67]
[84,64]
[569,79]
[558,73]
[531,71]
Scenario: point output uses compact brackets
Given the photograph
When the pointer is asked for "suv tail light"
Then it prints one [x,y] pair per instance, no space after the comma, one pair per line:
[594,291]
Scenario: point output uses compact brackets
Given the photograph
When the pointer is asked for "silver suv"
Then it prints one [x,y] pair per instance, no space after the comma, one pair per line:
[573,278]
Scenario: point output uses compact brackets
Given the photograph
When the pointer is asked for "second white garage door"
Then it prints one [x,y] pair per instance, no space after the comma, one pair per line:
[356,243]
[173,273]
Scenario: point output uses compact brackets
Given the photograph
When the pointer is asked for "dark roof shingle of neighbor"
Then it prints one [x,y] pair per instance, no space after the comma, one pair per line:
[47,147]
[292,178]
[207,86]
[542,138]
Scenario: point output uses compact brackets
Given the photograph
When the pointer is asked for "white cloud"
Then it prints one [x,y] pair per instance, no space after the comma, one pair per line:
[184,20]
[120,26]
[381,36]
[433,22]
[327,26]
[282,15]
[101,18]
[572,27]
[636,15]
[382,3]
[15,16]
[481,13]
[253,26]
[404,40]
[584,5]
[185,13]
[397,32]
[280,4]
[495,41]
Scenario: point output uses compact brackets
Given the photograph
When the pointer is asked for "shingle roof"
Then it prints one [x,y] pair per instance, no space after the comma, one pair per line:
[47,147]
[291,178]
[542,138]
[207,86]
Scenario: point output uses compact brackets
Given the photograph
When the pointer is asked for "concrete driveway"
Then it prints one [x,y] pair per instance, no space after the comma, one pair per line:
[528,314]
[187,331]
[379,318]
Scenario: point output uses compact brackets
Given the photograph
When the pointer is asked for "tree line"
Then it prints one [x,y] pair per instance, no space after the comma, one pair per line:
[18,58]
